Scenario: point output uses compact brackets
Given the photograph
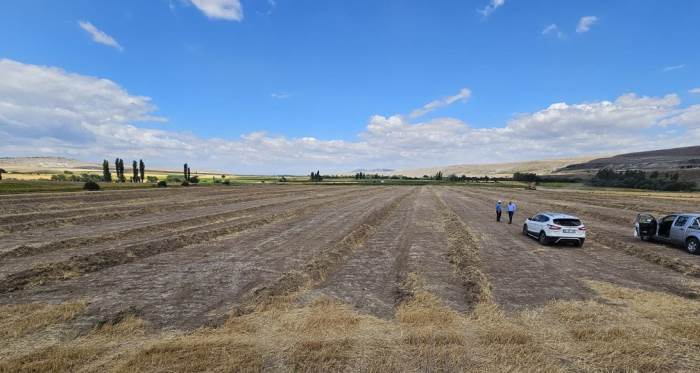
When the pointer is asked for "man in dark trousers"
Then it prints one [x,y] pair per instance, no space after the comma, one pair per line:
[511,210]
[499,210]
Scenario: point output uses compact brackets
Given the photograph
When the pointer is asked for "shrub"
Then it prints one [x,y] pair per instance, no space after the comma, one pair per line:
[162,184]
[194,179]
[152,179]
[227,182]
[91,185]
[185,183]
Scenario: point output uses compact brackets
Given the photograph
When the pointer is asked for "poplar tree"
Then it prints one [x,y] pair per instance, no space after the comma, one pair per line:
[135,171]
[106,175]
[142,170]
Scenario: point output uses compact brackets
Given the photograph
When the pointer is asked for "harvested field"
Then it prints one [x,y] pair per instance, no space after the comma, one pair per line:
[345,278]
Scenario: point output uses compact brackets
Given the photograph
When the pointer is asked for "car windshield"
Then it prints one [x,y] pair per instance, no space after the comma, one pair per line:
[567,222]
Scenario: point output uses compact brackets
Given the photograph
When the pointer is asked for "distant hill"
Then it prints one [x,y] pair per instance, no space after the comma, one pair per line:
[664,159]
[685,161]
[541,167]
[373,170]
[35,164]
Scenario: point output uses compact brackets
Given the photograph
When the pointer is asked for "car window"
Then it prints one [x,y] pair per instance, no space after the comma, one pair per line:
[696,224]
[668,219]
[680,222]
[544,218]
[645,218]
[567,222]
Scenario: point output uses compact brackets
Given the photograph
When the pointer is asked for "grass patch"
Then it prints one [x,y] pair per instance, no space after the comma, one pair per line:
[624,330]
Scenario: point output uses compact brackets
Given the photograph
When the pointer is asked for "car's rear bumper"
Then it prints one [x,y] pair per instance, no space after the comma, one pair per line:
[558,239]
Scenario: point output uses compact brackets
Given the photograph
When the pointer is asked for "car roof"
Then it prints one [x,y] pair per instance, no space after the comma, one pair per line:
[693,214]
[558,215]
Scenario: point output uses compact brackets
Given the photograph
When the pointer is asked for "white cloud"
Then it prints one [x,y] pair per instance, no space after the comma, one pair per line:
[48,111]
[585,23]
[99,36]
[491,7]
[230,10]
[695,90]
[280,95]
[553,29]
[463,95]
[674,67]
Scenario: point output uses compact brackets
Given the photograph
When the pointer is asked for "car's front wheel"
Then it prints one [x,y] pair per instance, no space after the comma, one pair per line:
[692,245]
[543,238]
[525,230]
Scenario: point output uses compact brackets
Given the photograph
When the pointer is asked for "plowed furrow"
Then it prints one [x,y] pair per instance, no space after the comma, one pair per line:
[315,271]
[232,211]
[79,265]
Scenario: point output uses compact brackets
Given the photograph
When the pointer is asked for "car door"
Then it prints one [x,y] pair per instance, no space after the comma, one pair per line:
[664,227]
[645,225]
[533,224]
[537,223]
[677,234]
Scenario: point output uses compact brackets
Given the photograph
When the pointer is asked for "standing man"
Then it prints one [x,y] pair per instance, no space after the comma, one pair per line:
[499,209]
[511,210]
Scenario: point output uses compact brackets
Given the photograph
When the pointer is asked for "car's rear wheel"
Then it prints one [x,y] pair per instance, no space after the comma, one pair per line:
[543,238]
[580,242]
[692,245]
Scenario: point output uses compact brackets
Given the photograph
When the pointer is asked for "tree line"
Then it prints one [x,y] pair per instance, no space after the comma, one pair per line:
[637,179]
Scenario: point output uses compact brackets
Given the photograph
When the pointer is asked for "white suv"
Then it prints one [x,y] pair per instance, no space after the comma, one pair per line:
[552,227]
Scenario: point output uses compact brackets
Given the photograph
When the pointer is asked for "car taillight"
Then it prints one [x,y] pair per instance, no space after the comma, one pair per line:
[582,228]
[553,227]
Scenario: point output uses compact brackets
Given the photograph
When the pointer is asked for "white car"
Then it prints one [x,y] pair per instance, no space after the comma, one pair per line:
[553,227]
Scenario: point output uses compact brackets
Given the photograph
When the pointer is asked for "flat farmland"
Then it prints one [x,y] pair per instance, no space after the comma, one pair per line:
[341,278]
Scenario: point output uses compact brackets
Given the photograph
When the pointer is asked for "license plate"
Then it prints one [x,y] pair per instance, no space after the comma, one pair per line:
[569,230]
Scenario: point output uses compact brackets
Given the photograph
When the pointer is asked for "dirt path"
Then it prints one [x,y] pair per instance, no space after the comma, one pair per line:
[522,272]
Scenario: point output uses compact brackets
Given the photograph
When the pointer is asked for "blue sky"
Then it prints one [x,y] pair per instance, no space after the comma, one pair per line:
[283,86]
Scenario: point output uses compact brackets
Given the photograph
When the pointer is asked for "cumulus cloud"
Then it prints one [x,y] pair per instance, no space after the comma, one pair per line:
[491,7]
[463,95]
[99,36]
[230,10]
[585,23]
[48,111]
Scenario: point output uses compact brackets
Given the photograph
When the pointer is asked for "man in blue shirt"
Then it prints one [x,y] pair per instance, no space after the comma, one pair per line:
[499,209]
[511,210]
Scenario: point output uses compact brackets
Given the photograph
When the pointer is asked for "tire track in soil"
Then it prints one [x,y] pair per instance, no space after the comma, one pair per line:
[198,285]
[524,273]
[170,223]
[61,251]
[79,265]
[419,238]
